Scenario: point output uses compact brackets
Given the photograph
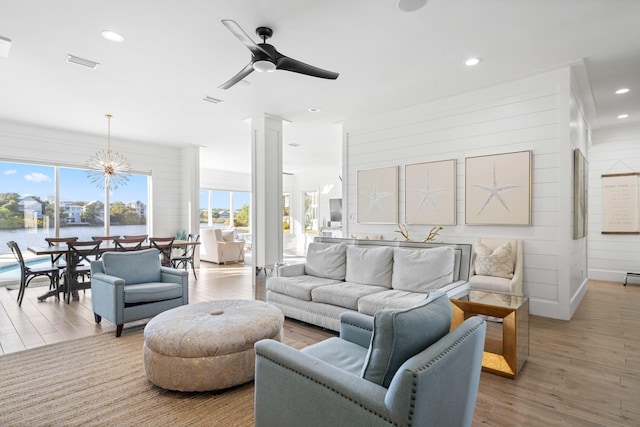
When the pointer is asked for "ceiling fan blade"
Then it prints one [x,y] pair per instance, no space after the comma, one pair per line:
[243,37]
[248,69]
[290,64]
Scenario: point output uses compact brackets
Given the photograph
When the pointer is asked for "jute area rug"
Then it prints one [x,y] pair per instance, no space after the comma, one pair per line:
[100,381]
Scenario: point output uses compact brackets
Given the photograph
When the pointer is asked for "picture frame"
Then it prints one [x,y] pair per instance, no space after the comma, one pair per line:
[430,193]
[580,188]
[377,196]
[620,203]
[498,189]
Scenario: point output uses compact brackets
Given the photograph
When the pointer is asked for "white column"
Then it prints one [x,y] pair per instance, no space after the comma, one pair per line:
[266,189]
[232,213]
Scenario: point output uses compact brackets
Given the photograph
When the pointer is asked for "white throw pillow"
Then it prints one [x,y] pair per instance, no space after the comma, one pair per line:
[422,270]
[497,263]
[369,266]
[326,260]
[228,235]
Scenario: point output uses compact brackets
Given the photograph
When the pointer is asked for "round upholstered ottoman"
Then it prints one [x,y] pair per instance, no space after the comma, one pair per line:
[208,345]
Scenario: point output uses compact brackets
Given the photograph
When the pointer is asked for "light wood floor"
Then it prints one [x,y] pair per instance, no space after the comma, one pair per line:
[585,372]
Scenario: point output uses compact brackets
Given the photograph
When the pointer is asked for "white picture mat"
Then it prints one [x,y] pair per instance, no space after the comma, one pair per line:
[498,189]
[430,193]
[377,196]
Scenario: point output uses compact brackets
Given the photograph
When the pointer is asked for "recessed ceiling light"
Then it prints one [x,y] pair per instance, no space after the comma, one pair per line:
[81,61]
[623,116]
[314,110]
[112,36]
[472,61]
[410,5]
[622,90]
[211,99]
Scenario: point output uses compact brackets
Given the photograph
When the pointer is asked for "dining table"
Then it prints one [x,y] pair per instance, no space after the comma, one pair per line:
[63,249]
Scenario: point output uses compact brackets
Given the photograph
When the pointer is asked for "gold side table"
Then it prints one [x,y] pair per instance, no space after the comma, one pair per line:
[504,356]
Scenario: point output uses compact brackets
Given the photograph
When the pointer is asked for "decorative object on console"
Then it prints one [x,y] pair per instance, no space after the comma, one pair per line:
[402,229]
[430,193]
[377,196]
[108,169]
[498,189]
[433,233]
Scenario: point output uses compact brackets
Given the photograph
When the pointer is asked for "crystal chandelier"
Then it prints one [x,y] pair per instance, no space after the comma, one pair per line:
[108,169]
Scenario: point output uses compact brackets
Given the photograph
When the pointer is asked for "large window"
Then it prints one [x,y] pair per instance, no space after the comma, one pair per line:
[225,209]
[28,205]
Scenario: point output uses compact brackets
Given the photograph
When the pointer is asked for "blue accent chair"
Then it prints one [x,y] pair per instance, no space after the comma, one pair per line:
[128,286]
[400,368]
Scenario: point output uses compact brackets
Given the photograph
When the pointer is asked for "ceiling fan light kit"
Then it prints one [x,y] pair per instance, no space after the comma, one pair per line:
[411,5]
[265,57]
[5,47]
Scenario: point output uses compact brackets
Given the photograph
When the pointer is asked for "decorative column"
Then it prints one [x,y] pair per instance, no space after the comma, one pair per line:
[266,190]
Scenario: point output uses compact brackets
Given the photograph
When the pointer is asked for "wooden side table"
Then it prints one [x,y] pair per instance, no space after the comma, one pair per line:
[507,356]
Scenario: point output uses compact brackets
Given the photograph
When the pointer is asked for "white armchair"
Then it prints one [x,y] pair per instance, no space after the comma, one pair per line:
[496,266]
[221,246]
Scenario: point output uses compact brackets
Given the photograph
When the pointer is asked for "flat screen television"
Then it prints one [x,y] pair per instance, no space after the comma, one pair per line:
[335,209]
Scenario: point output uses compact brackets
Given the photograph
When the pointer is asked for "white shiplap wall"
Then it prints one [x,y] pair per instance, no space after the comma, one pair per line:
[614,150]
[528,114]
[169,205]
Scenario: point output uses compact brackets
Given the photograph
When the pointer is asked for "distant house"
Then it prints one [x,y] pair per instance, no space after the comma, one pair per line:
[141,208]
[30,207]
[74,212]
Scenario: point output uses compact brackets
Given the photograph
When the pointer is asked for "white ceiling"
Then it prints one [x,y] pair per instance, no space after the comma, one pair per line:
[176,52]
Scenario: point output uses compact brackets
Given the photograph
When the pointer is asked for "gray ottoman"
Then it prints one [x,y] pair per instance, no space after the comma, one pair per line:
[209,345]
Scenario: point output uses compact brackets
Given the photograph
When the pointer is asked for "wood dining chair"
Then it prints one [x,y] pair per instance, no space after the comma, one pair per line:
[130,244]
[164,245]
[27,274]
[186,258]
[80,256]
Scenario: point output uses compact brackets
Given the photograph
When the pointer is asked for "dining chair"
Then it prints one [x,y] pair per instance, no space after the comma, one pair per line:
[80,256]
[29,273]
[104,238]
[164,245]
[58,259]
[186,258]
[136,236]
[131,244]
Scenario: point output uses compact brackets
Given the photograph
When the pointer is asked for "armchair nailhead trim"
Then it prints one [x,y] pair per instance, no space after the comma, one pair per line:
[331,389]
[356,326]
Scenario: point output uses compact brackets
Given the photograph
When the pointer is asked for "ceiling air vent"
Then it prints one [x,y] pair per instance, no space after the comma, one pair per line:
[81,61]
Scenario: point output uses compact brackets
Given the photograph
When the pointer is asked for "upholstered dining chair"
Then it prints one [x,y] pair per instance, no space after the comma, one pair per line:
[165,246]
[80,255]
[27,274]
[186,258]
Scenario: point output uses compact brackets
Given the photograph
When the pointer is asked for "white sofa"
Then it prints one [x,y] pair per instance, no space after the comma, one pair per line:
[342,275]
[220,246]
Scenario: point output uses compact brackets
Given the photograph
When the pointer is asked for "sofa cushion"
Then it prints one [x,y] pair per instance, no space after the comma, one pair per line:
[152,291]
[390,298]
[297,286]
[370,266]
[497,263]
[421,270]
[342,354]
[344,294]
[401,334]
[134,267]
[326,260]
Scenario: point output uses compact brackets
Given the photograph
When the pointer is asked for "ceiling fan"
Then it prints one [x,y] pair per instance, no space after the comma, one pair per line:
[265,57]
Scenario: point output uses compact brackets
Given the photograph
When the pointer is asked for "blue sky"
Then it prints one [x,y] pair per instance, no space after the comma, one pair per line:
[74,183]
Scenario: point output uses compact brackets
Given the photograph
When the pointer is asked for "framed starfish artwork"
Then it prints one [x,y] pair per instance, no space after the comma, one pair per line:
[378,196]
[430,193]
[498,189]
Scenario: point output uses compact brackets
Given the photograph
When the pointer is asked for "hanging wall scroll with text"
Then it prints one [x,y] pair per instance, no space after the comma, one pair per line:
[620,203]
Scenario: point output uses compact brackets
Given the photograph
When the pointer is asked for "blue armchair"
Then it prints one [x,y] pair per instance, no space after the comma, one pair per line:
[401,367]
[128,286]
